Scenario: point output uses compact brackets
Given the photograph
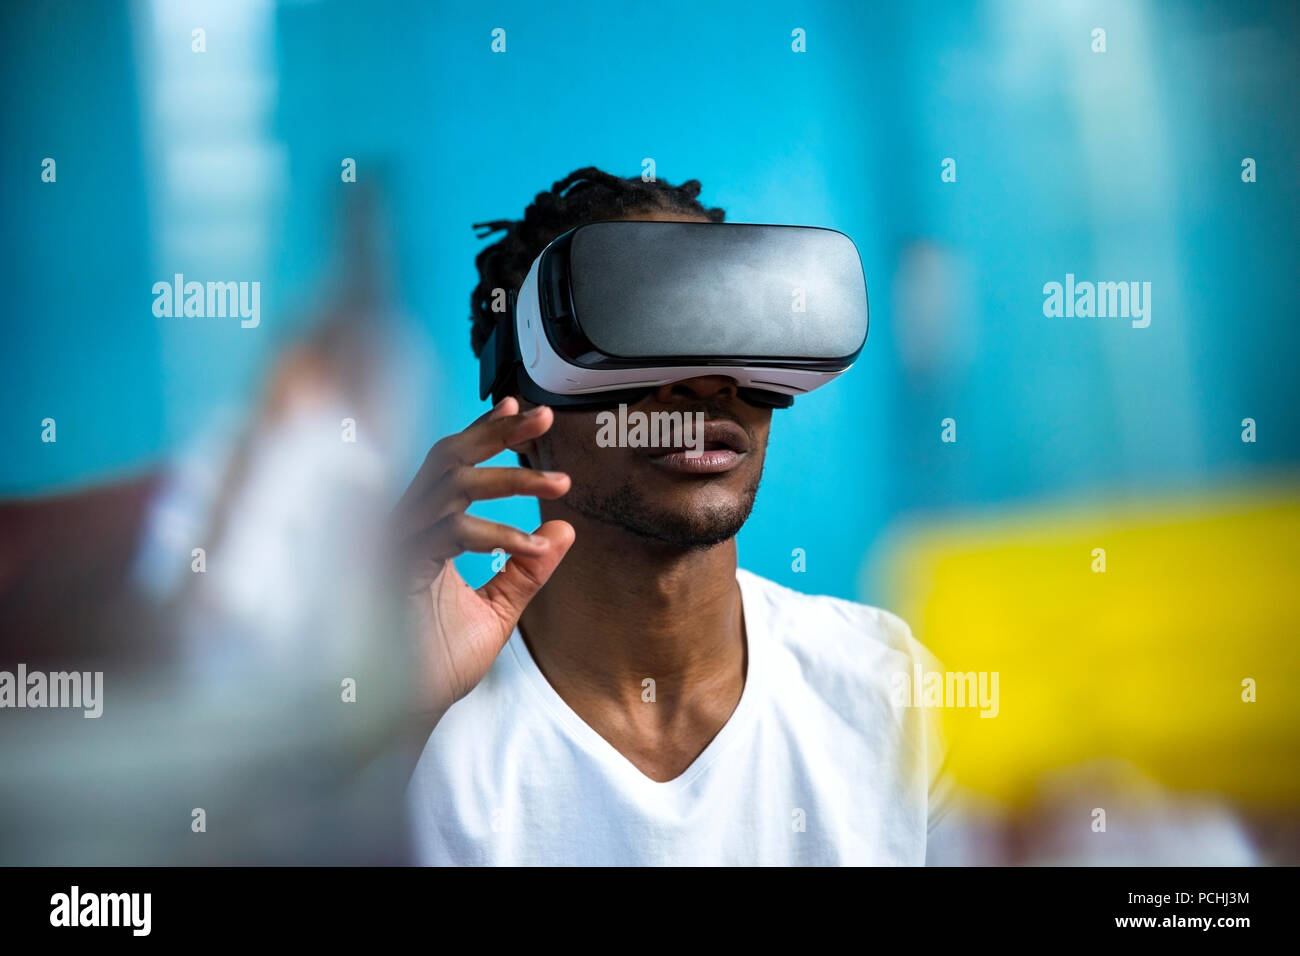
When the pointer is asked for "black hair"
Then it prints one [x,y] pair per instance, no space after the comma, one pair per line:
[585,195]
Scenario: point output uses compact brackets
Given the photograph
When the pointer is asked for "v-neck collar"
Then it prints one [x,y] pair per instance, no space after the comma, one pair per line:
[602,750]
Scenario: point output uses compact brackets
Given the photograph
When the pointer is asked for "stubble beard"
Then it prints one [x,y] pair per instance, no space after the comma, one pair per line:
[683,530]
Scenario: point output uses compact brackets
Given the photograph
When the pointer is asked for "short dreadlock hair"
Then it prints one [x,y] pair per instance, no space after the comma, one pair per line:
[585,195]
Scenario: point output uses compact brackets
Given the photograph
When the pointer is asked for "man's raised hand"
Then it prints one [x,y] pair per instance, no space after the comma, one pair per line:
[459,629]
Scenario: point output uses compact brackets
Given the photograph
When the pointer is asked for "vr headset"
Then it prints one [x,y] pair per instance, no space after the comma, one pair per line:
[613,309]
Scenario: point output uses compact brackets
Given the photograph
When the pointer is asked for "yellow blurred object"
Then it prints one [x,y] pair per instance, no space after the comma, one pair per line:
[1144,661]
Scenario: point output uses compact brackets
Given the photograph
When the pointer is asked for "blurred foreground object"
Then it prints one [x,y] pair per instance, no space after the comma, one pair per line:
[235,602]
[1160,635]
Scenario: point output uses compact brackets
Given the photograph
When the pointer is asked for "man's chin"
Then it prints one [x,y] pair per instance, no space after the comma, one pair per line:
[698,533]
[695,527]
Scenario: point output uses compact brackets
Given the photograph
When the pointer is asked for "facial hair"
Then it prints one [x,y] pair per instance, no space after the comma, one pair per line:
[681,530]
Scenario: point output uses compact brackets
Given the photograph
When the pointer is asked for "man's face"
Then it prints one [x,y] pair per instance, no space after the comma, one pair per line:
[663,494]
[657,493]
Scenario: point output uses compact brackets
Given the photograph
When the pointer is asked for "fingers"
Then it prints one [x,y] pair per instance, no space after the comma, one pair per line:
[489,435]
[510,590]
[459,488]
[507,406]
[458,533]
[429,524]
[482,440]
[426,475]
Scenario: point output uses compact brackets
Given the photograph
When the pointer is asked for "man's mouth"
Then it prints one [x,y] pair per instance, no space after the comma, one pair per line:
[724,444]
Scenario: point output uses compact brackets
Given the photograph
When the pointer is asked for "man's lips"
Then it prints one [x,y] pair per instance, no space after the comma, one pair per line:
[724,444]
[722,434]
[719,434]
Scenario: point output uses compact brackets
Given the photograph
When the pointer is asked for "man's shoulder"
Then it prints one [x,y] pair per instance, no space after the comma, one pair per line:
[832,617]
[820,626]
[852,657]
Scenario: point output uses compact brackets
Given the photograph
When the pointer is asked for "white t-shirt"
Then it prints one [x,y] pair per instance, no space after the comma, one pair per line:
[819,763]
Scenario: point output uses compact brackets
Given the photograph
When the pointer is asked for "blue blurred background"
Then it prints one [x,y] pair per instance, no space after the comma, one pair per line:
[1117,165]
[1123,165]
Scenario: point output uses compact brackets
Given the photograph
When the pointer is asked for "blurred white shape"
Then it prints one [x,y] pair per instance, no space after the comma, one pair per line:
[177,518]
[294,526]
[1146,824]
[934,331]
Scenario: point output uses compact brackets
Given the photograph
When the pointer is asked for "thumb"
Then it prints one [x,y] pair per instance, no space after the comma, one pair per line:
[510,590]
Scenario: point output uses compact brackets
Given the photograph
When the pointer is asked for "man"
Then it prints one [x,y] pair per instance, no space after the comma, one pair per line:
[620,693]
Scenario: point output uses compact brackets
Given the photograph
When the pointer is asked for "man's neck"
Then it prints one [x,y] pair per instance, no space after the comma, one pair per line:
[619,610]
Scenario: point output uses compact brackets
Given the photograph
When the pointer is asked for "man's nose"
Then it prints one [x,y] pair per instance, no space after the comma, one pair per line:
[700,388]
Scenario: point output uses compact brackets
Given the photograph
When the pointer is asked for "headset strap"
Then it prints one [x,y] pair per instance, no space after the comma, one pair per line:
[497,360]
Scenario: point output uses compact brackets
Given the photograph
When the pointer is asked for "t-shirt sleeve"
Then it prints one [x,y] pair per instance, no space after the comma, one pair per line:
[941,793]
